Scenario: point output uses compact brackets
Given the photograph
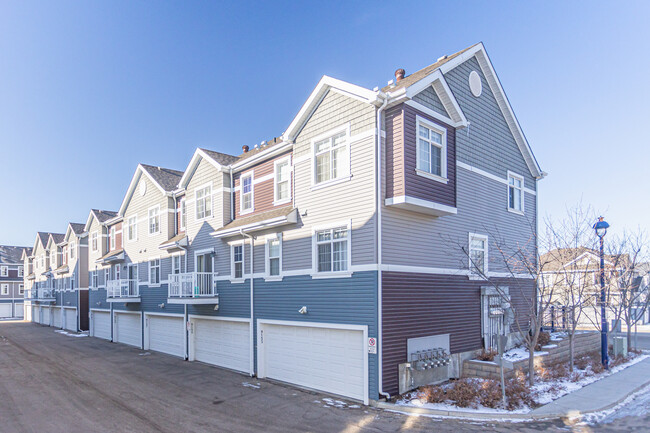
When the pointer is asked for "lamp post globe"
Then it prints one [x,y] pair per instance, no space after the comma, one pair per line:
[601,227]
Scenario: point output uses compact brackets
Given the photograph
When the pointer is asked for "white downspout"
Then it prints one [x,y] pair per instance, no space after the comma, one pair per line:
[379,252]
[251,325]
[232,197]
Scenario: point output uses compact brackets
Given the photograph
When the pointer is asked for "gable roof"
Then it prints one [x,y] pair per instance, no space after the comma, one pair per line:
[11,254]
[77,228]
[57,238]
[165,179]
[100,215]
[446,64]
[566,258]
[26,253]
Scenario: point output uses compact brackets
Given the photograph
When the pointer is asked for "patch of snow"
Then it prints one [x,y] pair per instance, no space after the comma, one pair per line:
[549,346]
[335,403]
[485,362]
[519,353]
[144,354]
[250,385]
[69,334]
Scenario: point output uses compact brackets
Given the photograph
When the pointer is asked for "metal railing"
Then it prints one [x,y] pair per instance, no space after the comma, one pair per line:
[45,293]
[29,294]
[122,289]
[192,285]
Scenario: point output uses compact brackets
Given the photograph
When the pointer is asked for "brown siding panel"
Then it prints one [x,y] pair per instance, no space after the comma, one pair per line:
[417,305]
[419,186]
[394,151]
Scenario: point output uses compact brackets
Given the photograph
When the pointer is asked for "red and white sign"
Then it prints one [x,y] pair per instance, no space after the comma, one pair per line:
[372,345]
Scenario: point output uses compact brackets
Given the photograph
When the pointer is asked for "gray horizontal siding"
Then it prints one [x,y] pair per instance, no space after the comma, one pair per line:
[488,143]
[429,98]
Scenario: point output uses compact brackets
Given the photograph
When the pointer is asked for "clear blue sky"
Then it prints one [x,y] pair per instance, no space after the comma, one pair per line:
[90,89]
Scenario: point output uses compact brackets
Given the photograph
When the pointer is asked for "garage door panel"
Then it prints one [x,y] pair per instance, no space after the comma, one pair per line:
[5,310]
[56,318]
[326,359]
[128,329]
[222,343]
[46,315]
[19,310]
[101,324]
[71,319]
[35,315]
[166,334]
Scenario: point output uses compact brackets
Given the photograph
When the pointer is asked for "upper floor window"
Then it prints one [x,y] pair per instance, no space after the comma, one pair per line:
[274,255]
[238,261]
[282,189]
[331,158]
[21,271]
[247,193]
[182,214]
[154,220]
[176,264]
[204,202]
[4,271]
[478,253]
[93,279]
[64,256]
[132,228]
[111,237]
[154,272]
[332,249]
[21,289]
[93,241]
[72,250]
[515,193]
[431,150]
[5,290]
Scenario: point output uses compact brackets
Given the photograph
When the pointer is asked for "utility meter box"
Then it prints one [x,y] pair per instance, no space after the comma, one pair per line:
[620,346]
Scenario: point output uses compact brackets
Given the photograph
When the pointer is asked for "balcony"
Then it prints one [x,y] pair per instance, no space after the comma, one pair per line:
[122,291]
[44,294]
[193,288]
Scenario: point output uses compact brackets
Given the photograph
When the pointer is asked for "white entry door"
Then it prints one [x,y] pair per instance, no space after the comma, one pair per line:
[19,310]
[127,328]
[71,319]
[56,317]
[5,309]
[101,324]
[330,359]
[165,334]
[224,343]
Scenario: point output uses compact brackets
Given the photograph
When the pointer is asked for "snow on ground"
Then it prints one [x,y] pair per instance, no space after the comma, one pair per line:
[544,392]
[250,385]
[519,353]
[70,334]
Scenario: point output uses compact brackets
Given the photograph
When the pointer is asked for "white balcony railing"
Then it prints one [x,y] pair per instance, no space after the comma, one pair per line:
[45,293]
[192,285]
[29,294]
[122,289]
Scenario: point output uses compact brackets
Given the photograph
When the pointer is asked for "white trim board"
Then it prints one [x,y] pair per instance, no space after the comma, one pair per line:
[490,175]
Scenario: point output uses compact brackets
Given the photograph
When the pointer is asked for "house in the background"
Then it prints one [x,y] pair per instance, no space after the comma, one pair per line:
[11,281]
[39,281]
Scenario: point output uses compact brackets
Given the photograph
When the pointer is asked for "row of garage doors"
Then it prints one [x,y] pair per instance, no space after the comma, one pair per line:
[7,309]
[55,317]
[318,356]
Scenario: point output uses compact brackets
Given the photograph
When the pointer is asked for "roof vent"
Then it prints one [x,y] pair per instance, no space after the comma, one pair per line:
[399,74]
[244,148]
[264,143]
[441,58]
[391,83]
[255,147]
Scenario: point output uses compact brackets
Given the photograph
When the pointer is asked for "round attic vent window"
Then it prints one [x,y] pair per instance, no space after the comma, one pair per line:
[143,188]
[475,84]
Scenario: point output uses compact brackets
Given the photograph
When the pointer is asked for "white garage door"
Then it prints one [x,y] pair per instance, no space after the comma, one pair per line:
[128,329]
[101,324]
[35,315]
[45,315]
[71,319]
[326,359]
[220,342]
[166,334]
[5,309]
[19,310]
[56,317]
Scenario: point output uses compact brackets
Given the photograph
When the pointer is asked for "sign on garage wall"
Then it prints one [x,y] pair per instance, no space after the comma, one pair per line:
[372,345]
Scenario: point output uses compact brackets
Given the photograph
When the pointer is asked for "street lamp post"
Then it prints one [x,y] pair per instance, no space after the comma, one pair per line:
[601,230]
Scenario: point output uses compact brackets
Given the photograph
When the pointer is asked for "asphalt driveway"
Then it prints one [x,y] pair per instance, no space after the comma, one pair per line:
[51,382]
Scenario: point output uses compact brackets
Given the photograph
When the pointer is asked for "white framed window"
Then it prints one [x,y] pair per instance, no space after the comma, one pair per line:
[282,181]
[478,254]
[431,150]
[107,275]
[72,250]
[4,271]
[111,237]
[246,194]
[237,264]
[154,272]
[331,156]
[93,279]
[154,220]
[72,278]
[21,271]
[21,289]
[94,245]
[331,249]
[117,271]
[203,199]
[132,228]
[274,255]
[182,214]
[64,255]
[5,290]
[515,193]
[176,264]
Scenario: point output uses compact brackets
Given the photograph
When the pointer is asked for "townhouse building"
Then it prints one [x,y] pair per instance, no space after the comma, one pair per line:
[331,255]
[12,286]
[39,281]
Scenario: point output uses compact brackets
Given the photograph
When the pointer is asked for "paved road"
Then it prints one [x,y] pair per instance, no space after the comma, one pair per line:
[56,383]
